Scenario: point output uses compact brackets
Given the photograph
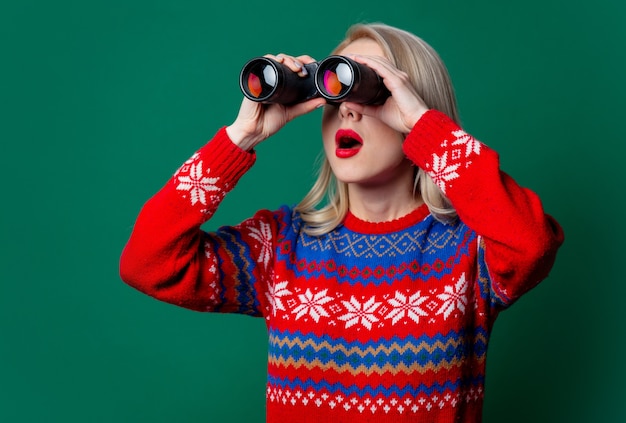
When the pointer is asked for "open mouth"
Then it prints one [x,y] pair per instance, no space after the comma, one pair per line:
[348,143]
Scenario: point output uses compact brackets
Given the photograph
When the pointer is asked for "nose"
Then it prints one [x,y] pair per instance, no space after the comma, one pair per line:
[347,113]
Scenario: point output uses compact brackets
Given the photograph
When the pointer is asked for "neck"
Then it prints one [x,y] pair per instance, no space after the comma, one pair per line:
[382,204]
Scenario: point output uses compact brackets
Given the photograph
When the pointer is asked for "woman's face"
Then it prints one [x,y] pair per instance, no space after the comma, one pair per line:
[362,149]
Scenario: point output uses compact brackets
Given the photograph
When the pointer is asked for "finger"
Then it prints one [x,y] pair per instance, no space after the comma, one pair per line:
[380,65]
[295,64]
[369,60]
[305,58]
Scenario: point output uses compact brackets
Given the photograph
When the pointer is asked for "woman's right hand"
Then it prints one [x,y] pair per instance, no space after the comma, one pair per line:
[256,121]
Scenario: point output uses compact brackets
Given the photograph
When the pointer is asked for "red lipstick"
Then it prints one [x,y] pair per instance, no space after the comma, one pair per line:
[348,143]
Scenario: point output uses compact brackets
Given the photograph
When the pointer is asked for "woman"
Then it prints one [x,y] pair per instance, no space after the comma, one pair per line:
[381,287]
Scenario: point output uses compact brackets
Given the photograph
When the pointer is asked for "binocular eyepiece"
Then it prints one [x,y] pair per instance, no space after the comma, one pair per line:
[336,78]
[267,81]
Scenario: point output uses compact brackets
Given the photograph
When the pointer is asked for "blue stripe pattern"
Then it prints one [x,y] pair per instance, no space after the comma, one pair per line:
[244,280]
[456,346]
[348,256]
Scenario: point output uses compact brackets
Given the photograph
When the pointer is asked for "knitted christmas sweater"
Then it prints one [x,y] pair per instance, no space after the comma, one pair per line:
[384,322]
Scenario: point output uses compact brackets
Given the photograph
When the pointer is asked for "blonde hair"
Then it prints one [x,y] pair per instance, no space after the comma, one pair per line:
[430,78]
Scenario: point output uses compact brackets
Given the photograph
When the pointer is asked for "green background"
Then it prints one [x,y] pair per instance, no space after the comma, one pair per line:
[102,101]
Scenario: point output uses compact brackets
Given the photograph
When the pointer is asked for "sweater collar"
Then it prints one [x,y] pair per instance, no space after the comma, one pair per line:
[355,224]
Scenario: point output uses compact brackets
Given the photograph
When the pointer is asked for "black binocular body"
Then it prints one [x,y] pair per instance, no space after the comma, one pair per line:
[336,78]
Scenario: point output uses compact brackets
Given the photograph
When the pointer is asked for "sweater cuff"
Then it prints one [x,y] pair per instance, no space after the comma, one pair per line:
[212,171]
[429,136]
[226,159]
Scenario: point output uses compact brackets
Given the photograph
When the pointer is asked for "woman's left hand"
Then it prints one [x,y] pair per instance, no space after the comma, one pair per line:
[404,107]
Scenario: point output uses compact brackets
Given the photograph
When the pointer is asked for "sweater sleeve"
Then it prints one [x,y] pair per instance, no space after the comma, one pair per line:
[518,241]
[169,257]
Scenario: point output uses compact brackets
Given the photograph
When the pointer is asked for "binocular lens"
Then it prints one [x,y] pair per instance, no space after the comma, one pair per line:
[340,78]
[254,85]
[266,80]
[261,80]
[337,80]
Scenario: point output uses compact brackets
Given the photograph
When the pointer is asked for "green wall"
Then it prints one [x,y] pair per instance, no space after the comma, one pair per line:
[101,101]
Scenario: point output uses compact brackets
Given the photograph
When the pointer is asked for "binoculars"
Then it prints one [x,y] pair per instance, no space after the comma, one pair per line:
[336,78]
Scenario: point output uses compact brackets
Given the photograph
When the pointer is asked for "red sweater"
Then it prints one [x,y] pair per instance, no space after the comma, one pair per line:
[385,322]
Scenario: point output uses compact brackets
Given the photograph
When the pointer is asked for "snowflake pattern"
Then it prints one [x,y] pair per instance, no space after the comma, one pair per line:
[263,235]
[196,182]
[360,313]
[445,166]
[454,298]
[443,172]
[404,306]
[274,294]
[313,305]
[445,302]
[471,144]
